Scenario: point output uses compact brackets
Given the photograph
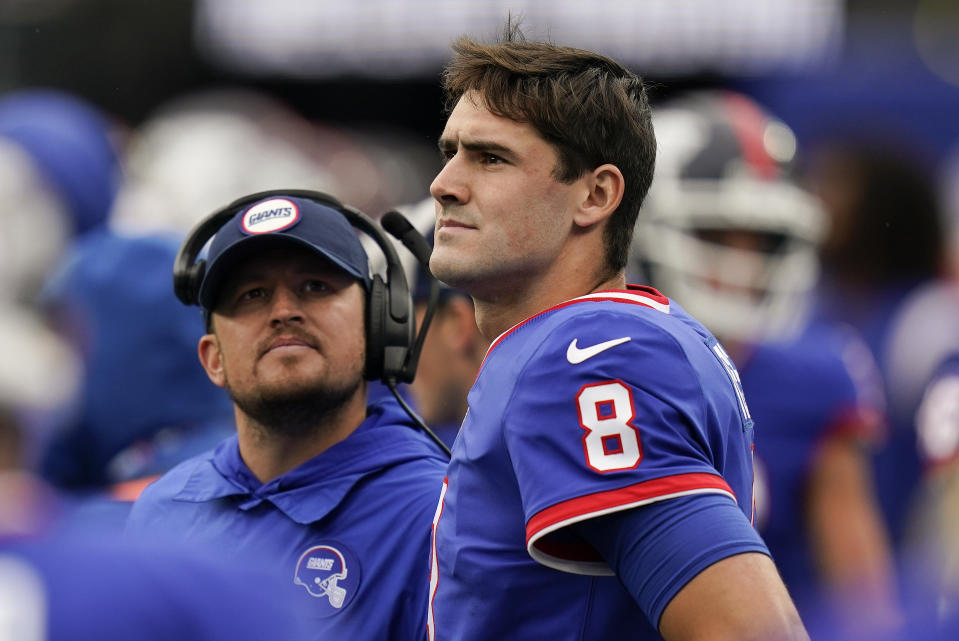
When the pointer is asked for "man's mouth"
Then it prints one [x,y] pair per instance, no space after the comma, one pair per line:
[287,343]
[447,223]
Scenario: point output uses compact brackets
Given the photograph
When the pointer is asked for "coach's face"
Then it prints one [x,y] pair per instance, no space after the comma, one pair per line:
[503,218]
[286,324]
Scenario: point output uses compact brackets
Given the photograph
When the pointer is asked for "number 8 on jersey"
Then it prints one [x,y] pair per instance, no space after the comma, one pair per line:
[606,412]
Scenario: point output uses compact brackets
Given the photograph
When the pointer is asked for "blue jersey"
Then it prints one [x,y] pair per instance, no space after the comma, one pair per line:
[822,384]
[348,530]
[604,403]
[910,328]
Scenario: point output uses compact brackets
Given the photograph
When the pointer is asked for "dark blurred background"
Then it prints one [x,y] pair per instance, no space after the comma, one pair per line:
[349,61]
[811,61]
[204,101]
[889,66]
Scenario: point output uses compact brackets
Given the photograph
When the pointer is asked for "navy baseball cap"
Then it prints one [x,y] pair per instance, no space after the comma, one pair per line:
[282,221]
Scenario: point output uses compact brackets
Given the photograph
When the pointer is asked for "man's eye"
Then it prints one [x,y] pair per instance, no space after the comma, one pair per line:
[251,294]
[317,286]
[492,159]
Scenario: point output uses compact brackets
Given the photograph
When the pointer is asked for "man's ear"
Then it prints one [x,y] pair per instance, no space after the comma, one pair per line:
[211,358]
[604,187]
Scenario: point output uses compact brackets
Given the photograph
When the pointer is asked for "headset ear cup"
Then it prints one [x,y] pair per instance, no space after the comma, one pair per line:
[186,283]
[196,277]
[376,309]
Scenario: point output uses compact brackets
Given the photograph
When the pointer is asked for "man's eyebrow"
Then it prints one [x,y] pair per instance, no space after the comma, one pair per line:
[448,144]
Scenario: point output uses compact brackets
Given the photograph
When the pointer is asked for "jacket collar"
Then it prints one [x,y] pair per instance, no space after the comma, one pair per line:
[308,492]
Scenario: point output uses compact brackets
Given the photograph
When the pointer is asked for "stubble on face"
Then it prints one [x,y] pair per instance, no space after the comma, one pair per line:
[297,410]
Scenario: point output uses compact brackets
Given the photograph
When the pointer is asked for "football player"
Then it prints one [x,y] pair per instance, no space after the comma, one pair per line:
[600,486]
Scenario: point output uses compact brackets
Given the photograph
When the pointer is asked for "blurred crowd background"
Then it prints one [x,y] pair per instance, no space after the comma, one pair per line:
[124,122]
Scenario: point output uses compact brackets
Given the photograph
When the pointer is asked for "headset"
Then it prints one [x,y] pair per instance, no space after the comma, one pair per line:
[392,345]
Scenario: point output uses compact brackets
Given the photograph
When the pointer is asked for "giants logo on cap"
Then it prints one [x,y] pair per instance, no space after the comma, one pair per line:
[268,216]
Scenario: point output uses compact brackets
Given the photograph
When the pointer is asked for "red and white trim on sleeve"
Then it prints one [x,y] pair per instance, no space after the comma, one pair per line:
[582,559]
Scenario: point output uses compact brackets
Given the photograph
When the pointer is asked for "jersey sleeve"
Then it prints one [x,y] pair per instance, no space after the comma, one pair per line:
[629,425]
[656,551]
[850,381]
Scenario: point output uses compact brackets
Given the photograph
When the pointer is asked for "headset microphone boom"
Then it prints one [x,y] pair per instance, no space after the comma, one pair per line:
[400,228]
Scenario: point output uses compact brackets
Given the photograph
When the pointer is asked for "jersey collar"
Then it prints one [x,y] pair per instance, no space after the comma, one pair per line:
[643,295]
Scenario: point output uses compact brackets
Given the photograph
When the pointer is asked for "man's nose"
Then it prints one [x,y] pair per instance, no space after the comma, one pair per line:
[449,187]
[285,306]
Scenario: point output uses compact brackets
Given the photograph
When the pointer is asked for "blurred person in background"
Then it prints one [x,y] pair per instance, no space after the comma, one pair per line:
[931,555]
[334,492]
[728,233]
[40,375]
[884,272]
[60,170]
[201,149]
[143,405]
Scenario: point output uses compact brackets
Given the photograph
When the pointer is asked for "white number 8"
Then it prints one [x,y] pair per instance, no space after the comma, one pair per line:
[611,443]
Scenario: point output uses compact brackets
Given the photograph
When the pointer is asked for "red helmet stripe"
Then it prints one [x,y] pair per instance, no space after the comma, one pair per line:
[748,122]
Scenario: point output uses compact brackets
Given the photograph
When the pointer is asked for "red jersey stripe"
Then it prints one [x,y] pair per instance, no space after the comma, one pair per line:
[582,507]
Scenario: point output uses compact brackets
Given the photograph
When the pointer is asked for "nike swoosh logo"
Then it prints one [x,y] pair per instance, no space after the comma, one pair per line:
[575,354]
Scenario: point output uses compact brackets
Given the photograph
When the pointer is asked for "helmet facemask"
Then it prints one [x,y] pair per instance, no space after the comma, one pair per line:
[724,231]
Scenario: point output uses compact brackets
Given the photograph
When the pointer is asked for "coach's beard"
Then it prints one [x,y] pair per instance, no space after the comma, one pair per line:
[296,413]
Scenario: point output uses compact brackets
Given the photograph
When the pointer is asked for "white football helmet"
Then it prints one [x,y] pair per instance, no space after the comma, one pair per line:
[725,230]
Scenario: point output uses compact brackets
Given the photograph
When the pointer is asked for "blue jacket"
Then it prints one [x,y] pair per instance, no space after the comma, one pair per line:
[348,531]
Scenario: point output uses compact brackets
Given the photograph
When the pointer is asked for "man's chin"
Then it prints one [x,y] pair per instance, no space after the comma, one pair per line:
[296,408]
[273,376]
[290,392]
[454,274]
[276,368]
